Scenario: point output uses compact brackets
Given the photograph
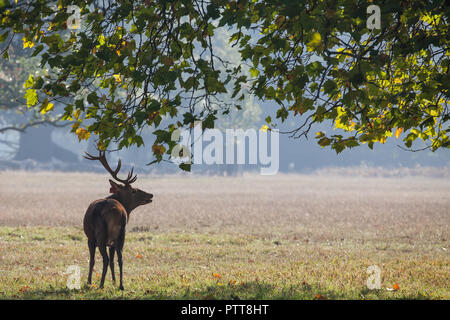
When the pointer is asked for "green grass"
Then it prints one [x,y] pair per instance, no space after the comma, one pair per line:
[220,265]
[266,237]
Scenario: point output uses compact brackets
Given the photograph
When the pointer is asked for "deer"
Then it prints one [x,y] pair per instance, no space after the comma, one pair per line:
[105,219]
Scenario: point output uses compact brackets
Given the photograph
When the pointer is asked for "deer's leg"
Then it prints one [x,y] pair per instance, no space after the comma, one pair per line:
[119,260]
[91,245]
[111,263]
[104,254]
[119,250]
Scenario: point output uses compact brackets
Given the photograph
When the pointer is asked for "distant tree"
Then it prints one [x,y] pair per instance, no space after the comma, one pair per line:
[35,127]
[137,61]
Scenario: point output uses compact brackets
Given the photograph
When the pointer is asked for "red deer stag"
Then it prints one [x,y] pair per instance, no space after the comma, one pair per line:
[105,219]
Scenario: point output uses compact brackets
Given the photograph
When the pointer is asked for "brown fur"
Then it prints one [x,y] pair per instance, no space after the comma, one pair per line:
[104,225]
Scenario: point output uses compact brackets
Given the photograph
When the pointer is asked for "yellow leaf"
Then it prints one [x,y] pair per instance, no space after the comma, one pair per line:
[117,77]
[29,83]
[158,149]
[46,107]
[398,132]
[77,113]
[82,134]
[101,40]
[27,44]
[339,124]
[315,42]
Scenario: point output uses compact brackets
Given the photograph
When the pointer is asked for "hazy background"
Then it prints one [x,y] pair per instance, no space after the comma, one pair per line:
[49,148]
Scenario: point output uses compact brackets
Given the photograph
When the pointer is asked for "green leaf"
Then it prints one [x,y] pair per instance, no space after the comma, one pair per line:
[38,49]
[329,86]
[185,166]
[323,142]
[4,36]
[254,72]
[208,123]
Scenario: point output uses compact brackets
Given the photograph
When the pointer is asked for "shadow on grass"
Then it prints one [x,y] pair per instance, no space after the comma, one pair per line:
[244,291]
[260,291]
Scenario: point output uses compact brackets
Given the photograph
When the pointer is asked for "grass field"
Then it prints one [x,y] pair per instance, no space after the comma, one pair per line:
[277,237]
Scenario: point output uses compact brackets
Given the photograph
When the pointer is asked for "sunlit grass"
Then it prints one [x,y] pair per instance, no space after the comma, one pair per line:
[218,266]
[282,237]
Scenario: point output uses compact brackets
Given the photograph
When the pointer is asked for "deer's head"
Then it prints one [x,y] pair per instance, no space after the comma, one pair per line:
[127,195]
[134,195]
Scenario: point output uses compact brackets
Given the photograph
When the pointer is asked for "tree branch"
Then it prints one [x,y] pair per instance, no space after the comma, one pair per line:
[33,123]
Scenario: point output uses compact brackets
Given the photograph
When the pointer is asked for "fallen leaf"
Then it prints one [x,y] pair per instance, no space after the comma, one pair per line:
[139,256]
[24,289]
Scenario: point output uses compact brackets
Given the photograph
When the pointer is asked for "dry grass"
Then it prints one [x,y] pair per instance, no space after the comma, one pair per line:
[278,237]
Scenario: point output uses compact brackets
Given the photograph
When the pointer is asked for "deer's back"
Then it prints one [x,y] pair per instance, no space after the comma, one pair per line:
[105,221]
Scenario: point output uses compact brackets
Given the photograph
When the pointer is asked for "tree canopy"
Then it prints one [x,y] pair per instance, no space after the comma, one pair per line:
[133,63]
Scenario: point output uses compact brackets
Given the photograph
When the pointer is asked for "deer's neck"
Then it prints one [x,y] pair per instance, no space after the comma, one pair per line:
[123,201]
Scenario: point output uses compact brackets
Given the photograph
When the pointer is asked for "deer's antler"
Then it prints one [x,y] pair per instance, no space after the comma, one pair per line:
[102,158]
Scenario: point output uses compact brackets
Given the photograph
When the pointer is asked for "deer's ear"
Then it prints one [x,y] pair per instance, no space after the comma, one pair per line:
[114,187]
